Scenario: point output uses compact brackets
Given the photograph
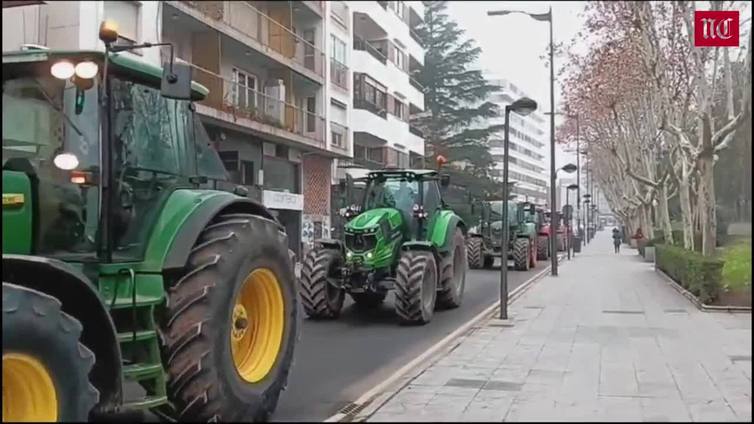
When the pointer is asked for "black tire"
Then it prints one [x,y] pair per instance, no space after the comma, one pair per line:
[415,287]
[34,326]
[321,300]
[368,300]
[203,383]
[543,248]
[474,252]
[454,275]
[489,260]
[521,254]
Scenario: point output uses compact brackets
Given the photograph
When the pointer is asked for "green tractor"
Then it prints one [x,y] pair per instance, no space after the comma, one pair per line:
[483,243]
[401,238]
[122,268]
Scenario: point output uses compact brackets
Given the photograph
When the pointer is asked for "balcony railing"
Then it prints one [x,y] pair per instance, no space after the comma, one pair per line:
[415,131]
[364,45]
[339,74]
[416,37]
[416,84]
[241,101]
[247,19]
[342,142]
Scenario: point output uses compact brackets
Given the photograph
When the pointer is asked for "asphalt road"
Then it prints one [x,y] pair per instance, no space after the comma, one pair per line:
[337,361]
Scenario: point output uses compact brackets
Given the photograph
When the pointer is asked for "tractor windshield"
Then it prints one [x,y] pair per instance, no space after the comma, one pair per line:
[51,137]
[496,211]
[391,192]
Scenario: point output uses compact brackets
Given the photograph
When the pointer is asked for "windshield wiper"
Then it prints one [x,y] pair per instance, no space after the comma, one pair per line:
[60,111]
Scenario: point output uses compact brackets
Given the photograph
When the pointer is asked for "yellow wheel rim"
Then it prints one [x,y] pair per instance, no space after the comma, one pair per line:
[28,391]
[256,327]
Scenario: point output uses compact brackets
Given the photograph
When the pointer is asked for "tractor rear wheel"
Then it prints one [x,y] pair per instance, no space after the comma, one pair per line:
[521,254]
[474,252]
[321,300]
[415,287]
[368,300]
[489,260]
[231,322]
[543,248]
[454,275]
[45,367]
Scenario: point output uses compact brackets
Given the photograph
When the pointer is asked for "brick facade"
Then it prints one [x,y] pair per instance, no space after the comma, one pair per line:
[315,224]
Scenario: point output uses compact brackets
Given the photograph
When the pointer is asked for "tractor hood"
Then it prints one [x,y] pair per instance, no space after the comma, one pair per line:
[372,218]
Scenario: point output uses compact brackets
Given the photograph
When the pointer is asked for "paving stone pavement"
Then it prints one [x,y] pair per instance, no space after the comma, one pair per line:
[606,340]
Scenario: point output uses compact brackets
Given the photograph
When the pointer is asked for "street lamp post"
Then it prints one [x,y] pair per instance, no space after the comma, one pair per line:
[522,106]
[570,219]
[568,168]
[545,17]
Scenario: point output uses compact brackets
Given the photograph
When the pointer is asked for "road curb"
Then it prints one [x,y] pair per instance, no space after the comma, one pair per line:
[699,305]
[370,401]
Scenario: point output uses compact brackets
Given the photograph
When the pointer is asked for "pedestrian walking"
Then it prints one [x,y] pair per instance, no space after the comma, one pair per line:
[616,240]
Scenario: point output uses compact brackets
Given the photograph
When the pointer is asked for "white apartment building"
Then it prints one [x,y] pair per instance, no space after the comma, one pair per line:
[527,167]
[385,52]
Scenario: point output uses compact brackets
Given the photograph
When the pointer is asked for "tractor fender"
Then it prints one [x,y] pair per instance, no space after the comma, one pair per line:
[80,299]
[194,209]
[447,224]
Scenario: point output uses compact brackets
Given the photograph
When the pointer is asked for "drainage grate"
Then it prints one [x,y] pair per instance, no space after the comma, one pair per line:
[737,358]
[622,312]
[676,311]
[352,409]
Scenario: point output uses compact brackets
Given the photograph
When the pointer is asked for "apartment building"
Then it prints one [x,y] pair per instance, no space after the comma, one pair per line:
[276,71]
[386,52]
[527,167]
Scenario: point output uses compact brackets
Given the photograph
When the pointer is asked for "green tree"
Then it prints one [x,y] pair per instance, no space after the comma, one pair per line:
[454,122]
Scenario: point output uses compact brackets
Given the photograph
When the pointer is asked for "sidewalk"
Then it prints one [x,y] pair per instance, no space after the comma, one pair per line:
[607,339]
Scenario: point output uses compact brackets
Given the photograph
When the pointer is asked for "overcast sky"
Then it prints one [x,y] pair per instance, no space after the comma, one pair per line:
[512,44]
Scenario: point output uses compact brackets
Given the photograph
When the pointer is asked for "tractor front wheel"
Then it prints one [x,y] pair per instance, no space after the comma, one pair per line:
[231,323]
[45,367]
[521,254]
[321,299]
[416,287]
[474,252]
[454,275]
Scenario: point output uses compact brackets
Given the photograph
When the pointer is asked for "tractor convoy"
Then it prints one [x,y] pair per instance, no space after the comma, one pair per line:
[124,265]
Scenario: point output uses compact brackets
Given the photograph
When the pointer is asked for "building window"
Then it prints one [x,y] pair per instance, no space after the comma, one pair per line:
[126,14]
[370,95]
[336,138]
[398,7]
[247,172]
[243,89]
[338,47]
[400,58]
[339,11]
[399,109]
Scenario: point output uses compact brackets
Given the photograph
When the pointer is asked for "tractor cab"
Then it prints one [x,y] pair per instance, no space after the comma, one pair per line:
[91,158]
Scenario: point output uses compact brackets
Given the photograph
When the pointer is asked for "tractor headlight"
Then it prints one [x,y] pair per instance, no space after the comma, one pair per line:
[369,255]
[349,254]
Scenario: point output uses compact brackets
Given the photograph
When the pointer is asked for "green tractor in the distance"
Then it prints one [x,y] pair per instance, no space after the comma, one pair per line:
[401,238]
[121,265]
[483,243]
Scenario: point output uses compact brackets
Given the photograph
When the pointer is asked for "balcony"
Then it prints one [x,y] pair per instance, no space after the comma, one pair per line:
[416,84]
[376,51]
[339,74]
[415,131]
[274,39]
[269,114]
[416,37]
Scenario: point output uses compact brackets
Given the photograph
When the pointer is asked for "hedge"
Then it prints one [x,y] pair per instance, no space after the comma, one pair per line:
[701,275]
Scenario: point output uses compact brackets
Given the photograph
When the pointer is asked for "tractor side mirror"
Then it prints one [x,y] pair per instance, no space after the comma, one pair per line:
[444,180]
[176,81]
